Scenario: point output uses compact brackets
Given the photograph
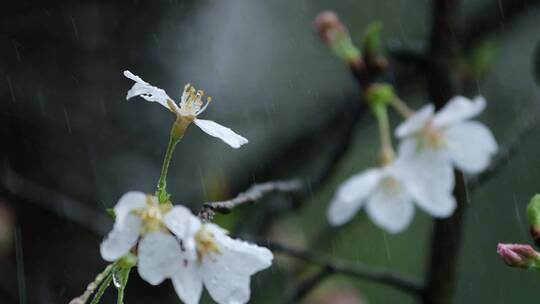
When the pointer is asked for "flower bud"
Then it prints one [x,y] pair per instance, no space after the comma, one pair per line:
[335,34]
[533,214]
[519,255]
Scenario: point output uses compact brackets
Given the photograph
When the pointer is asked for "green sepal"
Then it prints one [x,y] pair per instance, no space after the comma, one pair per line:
[129,260]
[111,212]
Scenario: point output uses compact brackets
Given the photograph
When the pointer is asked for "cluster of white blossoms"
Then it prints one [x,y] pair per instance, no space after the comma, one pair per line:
[432,144]
[190,107]
[172,243]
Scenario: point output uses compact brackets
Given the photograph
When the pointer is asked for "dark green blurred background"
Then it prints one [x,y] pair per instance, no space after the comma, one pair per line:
[65,125]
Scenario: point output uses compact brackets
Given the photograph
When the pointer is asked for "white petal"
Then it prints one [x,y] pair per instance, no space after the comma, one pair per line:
[184,225]
[226,274]
[128,202]
[351,196]
[188,283]
[459,109]
[471,145]
[390,206]
[159,257]
[121,238]
[424,166]
[216,130]
[436,203]
[428,175]
[416,122]
[147,91]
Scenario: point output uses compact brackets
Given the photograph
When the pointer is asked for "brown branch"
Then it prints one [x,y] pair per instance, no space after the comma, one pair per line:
[253,194]
[356,270]
[443,83]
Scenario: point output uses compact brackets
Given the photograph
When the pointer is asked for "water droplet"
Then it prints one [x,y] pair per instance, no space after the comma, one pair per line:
[117,278]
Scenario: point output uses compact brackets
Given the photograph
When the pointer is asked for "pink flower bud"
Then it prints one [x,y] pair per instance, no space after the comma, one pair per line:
[518,255]
[329,26]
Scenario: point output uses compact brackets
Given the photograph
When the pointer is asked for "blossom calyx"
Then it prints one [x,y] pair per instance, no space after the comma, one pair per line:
[380,94]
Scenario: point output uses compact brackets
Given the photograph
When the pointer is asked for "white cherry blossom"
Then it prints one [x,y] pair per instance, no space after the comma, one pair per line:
[224,266]
[388,193]
[468,145]
[190,107]
[141,221]
[173,243]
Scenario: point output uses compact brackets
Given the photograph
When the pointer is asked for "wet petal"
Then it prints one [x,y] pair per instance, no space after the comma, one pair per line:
[436,203]
[225,134]
[459,109]
[424,167]
[121,238]
[128,202]
[416,122]
[184,225]
[351,196]
[147,91]
[471,145]
[226,274]
[159,257]
[188,283]
[390,206]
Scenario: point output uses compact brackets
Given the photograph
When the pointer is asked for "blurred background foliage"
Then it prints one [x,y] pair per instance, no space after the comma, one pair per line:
[65,126]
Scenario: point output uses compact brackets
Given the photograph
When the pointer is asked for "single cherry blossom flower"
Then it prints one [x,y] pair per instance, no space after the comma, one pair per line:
[224,266]
[389,192]
[468,145]
[190,107]
[142,222]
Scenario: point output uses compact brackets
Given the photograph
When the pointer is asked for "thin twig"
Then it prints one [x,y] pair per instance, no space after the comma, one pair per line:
[506,151]
[355,270]
[251,195]
[305,286]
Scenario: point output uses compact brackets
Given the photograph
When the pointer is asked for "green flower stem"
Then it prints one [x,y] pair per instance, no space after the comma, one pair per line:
[177,132]
[402,107]
[102,288]
[387,151]
[161,192]
[124,276]
[99,281]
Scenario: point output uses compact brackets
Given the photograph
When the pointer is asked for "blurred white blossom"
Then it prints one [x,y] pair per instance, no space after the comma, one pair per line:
[190,107]
[388,194]
[173,243]
[468,145]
